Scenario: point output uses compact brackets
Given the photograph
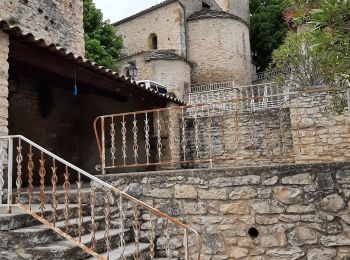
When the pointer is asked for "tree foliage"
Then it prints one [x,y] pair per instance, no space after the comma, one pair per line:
[319,51]
[102,44]
[268,29]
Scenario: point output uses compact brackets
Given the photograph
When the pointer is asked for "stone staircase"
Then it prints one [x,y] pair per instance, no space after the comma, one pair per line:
[24,237]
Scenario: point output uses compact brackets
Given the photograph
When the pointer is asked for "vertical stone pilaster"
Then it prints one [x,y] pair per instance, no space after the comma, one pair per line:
[4,75]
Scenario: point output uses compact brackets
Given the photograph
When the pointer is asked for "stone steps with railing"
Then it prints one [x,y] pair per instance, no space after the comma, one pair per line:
[72,221]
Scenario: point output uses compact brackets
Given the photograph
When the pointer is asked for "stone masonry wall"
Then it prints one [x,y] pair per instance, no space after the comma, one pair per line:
[320,133]
[56,21]
[275,213]
[4,74]
[223,54]
[166,23]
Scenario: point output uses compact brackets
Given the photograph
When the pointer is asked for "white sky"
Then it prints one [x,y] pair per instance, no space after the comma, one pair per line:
[116,10]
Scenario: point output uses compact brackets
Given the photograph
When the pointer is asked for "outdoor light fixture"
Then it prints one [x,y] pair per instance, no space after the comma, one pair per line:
[132,70]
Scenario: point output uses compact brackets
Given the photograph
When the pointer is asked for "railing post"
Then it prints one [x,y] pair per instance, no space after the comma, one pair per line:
[103,146]
[9,175]
[186,245]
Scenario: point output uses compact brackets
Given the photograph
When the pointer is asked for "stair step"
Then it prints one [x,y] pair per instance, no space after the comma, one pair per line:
[129,251]
[64,250]
[20,219]
[42,234]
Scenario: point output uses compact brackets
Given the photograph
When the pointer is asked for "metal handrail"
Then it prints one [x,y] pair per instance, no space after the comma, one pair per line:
[100,182]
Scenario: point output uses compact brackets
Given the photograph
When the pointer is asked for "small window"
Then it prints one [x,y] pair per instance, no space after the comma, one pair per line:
[153,41]
[205,5]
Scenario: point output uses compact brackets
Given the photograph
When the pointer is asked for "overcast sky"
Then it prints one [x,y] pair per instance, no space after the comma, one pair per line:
[116,10]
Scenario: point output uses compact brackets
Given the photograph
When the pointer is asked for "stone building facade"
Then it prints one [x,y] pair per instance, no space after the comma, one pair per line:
[56,21]
[206,41]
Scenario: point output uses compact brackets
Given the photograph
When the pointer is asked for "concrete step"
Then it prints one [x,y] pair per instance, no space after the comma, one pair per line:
[129,252]
[41,234]
[65,250]
[19,219]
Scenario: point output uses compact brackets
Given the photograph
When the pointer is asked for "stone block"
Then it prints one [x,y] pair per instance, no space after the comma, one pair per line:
[301,179]
[239,252]
[266,219]
[193,208]
[290,253]
[267,207]
[235,181]
[288,195]
[324,182]
[301,208]
[156,192]
[289,218]
[213,194]
[207,220]
[185,192]
[213,243]
[239,193]
[239,208]
[270,181]
[321,254]
[302,236]
[333,203]
[335,240]
[343,177]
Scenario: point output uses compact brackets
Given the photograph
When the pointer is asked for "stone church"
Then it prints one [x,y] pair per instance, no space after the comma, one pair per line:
[181,42]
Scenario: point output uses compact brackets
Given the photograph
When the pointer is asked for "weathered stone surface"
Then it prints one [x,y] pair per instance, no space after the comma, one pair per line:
[213,194]
[185,192]
[266,219]
[321,254]
[267,207]
[157,193]
[334,228]
[333,203]
[235,181]
[277,239]
[324,182]
[213,243]
[343,177]
[239,252]
[134,189]
[339,240]
[291,253]
[301,208]
[194,208]
[289,218]
[302,236]
[270,181]
[207,220]
[243,193]
[239,208]
[264,193]
[170,207]
[301,179]
[288,195]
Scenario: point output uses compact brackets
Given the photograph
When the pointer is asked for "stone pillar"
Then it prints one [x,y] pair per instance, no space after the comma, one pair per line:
[4,75]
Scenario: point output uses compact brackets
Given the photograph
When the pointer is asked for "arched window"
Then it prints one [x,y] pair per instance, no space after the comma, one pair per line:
[153,42]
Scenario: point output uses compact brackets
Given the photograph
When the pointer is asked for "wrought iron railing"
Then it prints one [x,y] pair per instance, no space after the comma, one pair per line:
[305,126]
[31,164]
[273,95]
[270,74]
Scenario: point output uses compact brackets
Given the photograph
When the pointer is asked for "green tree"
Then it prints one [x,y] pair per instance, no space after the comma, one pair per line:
[268,29]
[102,43]
[319,51]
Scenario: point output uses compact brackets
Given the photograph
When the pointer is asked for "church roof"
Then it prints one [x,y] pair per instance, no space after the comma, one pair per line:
[29,38]
[210,13]
[145,11]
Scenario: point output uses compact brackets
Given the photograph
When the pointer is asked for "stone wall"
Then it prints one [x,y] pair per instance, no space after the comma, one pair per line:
[4,74]
[262,137]
[158,70]
[56,21]
[166,22]
[236,7]
[282,212]
[223,54]
[320,132]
